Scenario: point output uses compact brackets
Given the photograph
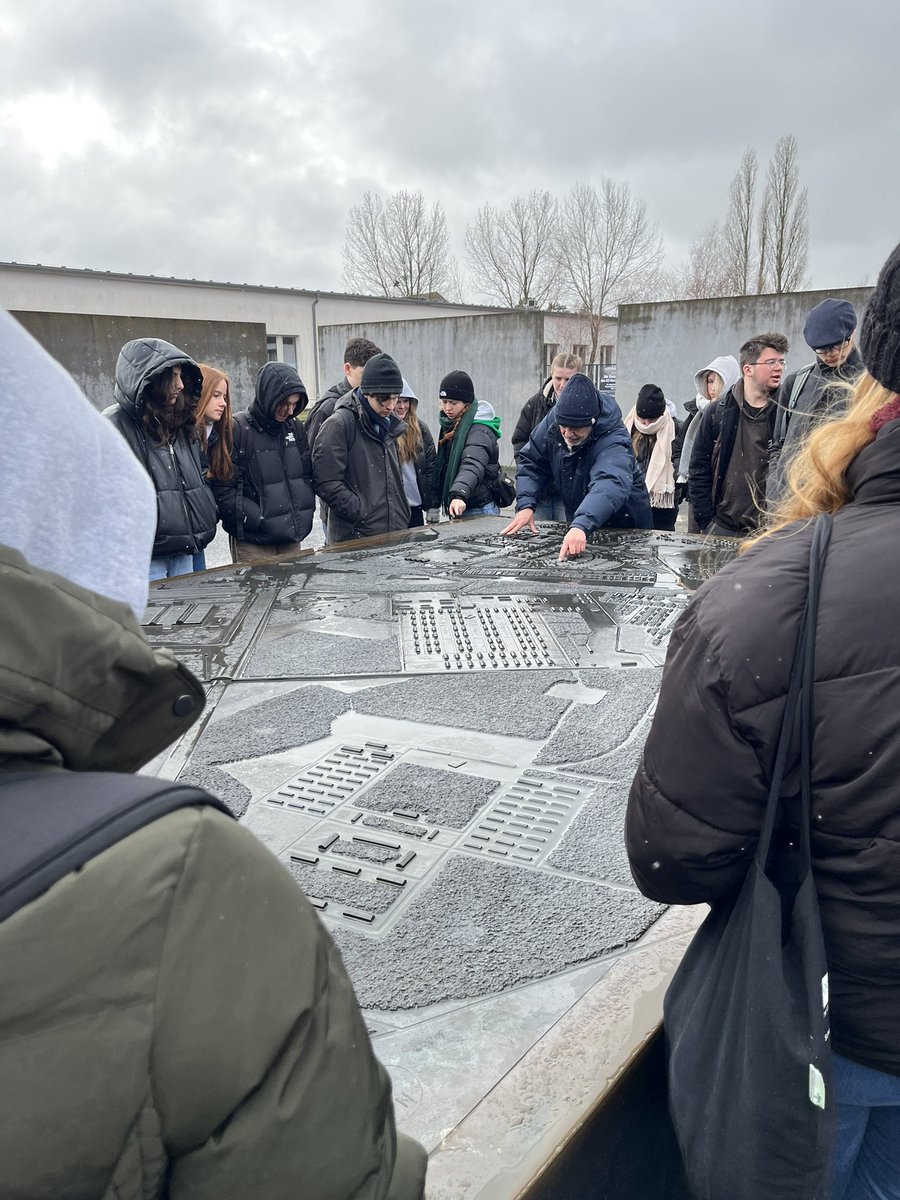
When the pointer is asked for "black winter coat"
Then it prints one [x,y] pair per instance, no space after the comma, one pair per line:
[479,465]
[357,474]
[323,410]
[712,454]
[601,484]
[697,802]
[533,412]
[269,500]
[185,508]
[425,461]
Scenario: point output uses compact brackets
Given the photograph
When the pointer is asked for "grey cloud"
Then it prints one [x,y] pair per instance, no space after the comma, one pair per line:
[277,119]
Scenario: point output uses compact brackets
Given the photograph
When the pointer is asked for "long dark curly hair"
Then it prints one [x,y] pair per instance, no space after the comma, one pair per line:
[164,421]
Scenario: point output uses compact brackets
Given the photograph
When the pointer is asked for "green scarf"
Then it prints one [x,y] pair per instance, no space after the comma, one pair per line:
[450,453]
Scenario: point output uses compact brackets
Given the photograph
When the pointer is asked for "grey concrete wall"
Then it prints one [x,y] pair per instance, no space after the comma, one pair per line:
[667,344]
[288,312]
[88,346]
[502,353]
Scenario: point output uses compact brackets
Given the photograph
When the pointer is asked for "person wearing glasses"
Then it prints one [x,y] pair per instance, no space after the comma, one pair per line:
[813,393]
[356,464]
[727,476]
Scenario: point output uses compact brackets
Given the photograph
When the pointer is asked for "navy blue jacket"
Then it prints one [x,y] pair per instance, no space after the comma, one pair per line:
[600,483]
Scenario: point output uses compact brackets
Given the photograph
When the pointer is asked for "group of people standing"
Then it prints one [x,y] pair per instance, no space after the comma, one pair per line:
[374,465]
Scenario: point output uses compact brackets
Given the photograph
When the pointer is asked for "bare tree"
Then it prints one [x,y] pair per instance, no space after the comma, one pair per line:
[784,227]
[398,248]
[608,251]
[706,272]
[763,234]
[737,235]
[510,251]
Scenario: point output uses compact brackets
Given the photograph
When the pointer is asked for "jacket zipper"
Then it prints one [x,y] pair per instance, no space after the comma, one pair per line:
[187,519]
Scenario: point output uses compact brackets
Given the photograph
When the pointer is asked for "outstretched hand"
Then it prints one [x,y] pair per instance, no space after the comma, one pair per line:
[524,518]
[573,543]
[457,508]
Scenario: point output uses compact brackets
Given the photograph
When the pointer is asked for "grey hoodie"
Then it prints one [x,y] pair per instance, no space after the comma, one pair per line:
[727,368]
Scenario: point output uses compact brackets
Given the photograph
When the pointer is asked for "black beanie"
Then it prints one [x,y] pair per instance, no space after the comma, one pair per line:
[651,403]
[879,339]
[381,377]
[457,386]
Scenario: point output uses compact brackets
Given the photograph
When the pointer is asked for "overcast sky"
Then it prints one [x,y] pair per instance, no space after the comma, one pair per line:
[227,139]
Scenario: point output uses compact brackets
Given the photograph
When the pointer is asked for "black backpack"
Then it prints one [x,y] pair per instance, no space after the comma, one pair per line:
[52,823]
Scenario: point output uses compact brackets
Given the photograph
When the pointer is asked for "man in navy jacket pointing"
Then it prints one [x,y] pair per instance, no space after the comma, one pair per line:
[583,451]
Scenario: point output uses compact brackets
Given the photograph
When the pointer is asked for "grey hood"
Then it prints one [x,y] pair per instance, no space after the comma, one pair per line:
[140,362]
[726,367]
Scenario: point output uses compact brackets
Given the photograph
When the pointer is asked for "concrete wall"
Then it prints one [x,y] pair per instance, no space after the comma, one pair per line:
[502,353]
[667,343]
[88,346]
[284,311]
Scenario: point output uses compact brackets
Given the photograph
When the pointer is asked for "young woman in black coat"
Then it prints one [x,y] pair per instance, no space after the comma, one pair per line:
[697,801]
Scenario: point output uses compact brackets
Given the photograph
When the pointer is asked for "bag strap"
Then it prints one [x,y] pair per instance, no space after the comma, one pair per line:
[799,703]
[53,822]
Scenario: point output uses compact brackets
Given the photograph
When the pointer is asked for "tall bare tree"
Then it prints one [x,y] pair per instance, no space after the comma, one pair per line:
[784,225]
[398,248]
[706,272]
[607,249]
[510,251]
[737,235]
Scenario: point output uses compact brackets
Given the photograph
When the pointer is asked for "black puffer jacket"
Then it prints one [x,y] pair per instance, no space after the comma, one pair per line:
[324,409]
[425,461]
[696,804]
[269,499]
[357,473]
[480,462]
[533,412]
[186,510]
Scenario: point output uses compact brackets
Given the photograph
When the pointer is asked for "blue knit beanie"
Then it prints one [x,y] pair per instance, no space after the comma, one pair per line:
[578,404]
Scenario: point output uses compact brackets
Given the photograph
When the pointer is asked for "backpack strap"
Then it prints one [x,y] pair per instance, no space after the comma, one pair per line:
[53,822]
[785,410]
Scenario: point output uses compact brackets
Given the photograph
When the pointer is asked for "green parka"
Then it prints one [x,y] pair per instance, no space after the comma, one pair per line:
[174,1020]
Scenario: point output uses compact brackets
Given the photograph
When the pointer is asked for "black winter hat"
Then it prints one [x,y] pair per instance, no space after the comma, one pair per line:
[651,403]
[457,385]
[829,323]
[578,404]
[879,339]
[381,377]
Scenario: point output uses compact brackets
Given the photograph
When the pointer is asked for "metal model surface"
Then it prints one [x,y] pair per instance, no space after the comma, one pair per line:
[436,734]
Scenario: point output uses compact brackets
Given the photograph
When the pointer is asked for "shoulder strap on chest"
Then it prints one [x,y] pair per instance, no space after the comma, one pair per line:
[52,823]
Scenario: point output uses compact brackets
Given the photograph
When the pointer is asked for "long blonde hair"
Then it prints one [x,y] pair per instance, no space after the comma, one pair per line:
[816,477]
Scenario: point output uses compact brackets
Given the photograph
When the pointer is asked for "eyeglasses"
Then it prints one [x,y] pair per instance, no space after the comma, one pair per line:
[832,349]
[770,362]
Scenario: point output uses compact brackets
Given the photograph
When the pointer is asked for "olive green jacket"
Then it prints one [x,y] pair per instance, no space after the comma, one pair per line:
[174,1020]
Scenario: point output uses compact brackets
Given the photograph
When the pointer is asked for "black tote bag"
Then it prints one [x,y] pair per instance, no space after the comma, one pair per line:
[746,1014]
